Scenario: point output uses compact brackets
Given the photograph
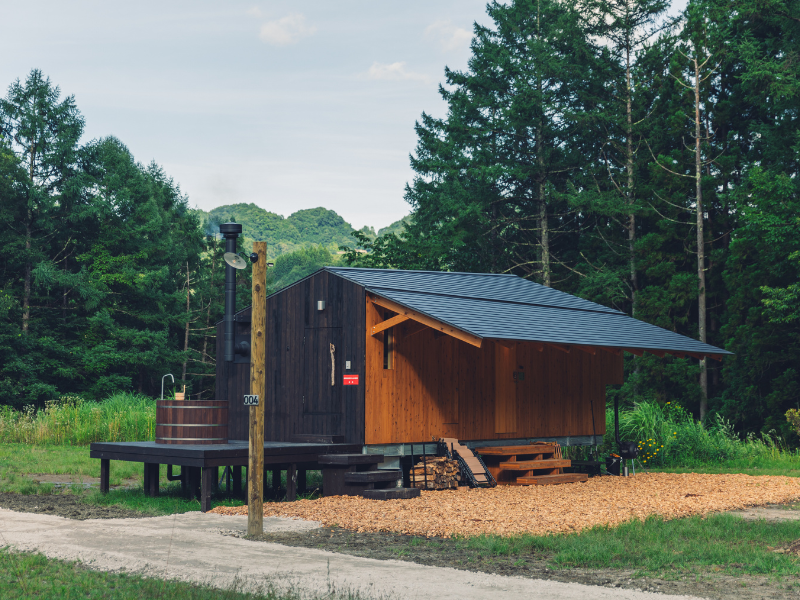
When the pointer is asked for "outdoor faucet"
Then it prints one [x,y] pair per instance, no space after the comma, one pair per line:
[162,383]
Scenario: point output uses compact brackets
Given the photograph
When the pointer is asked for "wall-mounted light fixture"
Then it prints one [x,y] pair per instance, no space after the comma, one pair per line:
[320,304]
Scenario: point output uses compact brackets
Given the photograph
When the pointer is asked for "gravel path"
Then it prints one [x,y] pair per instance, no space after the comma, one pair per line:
[508,510]
[192,547]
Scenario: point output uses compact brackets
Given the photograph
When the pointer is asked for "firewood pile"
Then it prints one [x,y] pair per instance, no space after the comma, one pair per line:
[441,473]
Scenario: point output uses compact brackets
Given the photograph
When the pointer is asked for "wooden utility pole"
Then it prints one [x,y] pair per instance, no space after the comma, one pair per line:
[255,463]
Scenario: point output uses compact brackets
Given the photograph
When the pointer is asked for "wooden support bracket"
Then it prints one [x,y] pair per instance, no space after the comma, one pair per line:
[614,351]
[396,320]
[426,320]
[412,328]
[588,349]
[560,347]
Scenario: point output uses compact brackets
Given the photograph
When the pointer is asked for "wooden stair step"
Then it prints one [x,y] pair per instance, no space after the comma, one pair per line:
[391,494]
[553,479]
[373,476]
[344,460]
[527,465]
[515,450]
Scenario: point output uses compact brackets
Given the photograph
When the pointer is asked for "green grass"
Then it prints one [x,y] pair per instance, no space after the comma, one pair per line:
[32,576]
[73,462]
[168,502]
[122,417]
[668,549]
[746,467]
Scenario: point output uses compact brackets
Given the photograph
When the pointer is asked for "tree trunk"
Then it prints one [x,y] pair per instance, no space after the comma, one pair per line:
[186,332]
[26,292]
[701,259]
[631,196]
[544,231]
[545,236]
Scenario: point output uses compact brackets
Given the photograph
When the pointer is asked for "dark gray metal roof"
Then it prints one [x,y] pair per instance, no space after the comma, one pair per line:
[509,307]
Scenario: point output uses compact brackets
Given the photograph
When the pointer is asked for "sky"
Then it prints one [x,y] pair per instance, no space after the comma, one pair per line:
[287,105]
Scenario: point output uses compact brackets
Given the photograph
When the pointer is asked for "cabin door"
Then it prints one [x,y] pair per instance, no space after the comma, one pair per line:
[322,380]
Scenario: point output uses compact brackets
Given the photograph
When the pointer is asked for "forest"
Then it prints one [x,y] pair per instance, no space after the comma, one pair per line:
[601,147]
[645,162]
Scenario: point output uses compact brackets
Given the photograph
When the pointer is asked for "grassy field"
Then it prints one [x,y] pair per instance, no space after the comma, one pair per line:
[32,576]
[667,549]
[18,461]
[122,417]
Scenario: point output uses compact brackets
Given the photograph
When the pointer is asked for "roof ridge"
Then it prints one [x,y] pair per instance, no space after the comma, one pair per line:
[335,268]
[609,311]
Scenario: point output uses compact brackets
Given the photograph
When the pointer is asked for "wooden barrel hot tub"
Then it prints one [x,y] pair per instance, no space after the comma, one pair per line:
[182,421]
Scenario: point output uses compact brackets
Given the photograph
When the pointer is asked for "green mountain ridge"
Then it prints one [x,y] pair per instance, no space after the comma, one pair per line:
[308,227]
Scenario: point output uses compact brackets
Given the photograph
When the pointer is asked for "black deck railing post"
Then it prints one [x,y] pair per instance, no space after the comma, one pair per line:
[425,464]
[411,475]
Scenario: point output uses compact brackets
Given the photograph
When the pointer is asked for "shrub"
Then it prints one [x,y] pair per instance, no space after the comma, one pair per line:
[793,416]
[669,436]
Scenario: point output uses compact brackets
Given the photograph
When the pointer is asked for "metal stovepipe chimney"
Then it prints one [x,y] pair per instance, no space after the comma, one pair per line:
[231,231]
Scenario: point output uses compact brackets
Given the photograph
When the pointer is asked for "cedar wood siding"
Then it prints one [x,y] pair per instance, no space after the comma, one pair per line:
[300,399]
[444,387]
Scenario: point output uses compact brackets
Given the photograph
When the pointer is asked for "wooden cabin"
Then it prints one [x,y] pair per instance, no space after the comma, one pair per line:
[387,357]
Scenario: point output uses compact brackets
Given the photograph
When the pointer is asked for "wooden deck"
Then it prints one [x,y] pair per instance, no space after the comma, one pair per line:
[200,463]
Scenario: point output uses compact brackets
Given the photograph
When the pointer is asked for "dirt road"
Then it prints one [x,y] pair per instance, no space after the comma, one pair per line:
[193,547]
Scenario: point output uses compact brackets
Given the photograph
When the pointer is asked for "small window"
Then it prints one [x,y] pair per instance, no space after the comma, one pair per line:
[388,347]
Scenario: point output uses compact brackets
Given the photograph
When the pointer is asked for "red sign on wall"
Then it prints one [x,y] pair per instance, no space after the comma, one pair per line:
[351,380]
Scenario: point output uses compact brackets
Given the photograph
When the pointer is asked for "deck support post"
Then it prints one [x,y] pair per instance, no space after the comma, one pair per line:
[207,487]
[237,481]
[276,479]
[151,479]
[291,483]
[105,475]
[302,486]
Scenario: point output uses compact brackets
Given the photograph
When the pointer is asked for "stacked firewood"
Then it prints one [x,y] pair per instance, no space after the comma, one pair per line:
[441,473]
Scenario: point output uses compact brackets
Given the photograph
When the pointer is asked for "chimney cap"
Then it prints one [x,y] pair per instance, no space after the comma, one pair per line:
[230,229]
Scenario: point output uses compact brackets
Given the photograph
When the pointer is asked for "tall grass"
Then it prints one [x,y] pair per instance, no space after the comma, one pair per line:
[668,436]
[122,417]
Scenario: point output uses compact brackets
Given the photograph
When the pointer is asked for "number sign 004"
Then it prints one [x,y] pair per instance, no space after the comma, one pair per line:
[250,400]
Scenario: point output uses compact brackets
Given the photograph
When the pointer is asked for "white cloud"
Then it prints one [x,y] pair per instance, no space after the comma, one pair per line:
[450,37]
[287,30]
[395,71]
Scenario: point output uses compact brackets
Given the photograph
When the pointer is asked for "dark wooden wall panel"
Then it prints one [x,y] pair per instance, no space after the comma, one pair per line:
[290,313]
[233,380]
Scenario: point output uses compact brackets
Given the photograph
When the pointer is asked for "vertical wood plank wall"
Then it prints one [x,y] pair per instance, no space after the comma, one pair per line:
[505,389]
[443,387]
[233,380]
[289,314]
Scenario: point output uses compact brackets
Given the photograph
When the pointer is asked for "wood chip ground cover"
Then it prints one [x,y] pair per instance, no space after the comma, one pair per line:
[538,510]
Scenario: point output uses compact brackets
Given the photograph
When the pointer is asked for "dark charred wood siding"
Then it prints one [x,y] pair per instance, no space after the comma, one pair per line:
[233,379]
[300,399]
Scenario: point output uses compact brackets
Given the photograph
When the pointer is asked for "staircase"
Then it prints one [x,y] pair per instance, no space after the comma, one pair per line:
[358,475]
[472,467]
[533,464]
